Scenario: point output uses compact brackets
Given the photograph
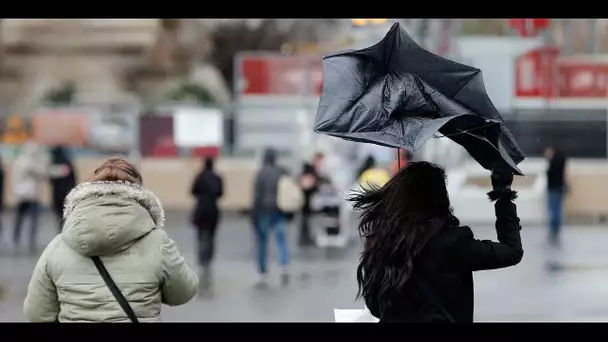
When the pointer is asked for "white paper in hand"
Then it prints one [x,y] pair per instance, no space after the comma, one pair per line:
[354,316]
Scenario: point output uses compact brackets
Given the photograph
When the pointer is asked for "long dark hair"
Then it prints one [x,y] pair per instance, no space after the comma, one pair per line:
[396,222]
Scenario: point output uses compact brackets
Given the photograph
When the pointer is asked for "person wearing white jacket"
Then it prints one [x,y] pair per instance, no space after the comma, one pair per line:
[29,171]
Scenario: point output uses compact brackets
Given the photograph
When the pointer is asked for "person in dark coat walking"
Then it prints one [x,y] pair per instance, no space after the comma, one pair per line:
[207,188]
[63,180]
[556,188]
[417,264]
[268,217]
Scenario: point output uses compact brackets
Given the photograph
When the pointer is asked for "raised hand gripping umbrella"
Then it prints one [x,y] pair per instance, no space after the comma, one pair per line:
[397,94]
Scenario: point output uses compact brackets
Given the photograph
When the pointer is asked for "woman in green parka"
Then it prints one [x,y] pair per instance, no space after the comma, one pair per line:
[111,219]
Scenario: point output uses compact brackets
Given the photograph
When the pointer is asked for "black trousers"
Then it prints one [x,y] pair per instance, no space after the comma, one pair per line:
[58,211]
[206,242]
[25,209]
[305,237]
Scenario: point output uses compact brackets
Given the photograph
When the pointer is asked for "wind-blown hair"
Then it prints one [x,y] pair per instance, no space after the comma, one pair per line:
[396,222]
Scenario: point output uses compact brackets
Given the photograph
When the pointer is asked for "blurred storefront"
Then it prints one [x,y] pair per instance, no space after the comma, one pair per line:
[276,97]
[170,144]
[182,132]
[60,127]
[157,141]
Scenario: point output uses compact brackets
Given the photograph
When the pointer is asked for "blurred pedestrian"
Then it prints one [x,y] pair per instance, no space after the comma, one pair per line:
[2,241]
[556,189]
[63,180]
[207,189]
[368,163]
[373,175]
[29,171]
[268,217]
[112,262]
[417,260]
[309,182]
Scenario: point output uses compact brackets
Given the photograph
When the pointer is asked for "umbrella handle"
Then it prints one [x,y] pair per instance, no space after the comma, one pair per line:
[398,159]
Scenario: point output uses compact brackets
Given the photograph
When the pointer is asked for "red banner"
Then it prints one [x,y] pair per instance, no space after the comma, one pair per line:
[583,79]
[280,75]
[535,73]
[541,74]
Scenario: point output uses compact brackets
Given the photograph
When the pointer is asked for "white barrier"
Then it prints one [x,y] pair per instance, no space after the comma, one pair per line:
[471,204]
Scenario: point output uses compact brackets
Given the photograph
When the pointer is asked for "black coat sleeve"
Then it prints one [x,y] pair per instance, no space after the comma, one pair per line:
[220,187]
[195,189]
[258,188]
[485,254]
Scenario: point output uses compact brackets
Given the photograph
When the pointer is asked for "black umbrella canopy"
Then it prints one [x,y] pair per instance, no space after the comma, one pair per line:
[397,94]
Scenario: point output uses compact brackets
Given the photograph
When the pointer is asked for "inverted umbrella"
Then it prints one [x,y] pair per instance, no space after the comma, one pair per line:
[397,94]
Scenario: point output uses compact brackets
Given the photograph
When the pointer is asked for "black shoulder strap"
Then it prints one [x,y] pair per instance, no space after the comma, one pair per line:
[115,291]
[423,285]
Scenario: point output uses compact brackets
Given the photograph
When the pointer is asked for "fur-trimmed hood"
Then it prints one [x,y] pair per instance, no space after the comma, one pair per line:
[104,218]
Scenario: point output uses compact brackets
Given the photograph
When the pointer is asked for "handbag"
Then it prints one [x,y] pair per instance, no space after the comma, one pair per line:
[289,195]
[122,301]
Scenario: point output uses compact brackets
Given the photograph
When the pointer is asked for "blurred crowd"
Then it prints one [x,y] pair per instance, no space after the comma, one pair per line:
[272,205]
[34,166]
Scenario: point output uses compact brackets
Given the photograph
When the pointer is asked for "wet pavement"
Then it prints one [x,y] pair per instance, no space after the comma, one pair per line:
[566,285]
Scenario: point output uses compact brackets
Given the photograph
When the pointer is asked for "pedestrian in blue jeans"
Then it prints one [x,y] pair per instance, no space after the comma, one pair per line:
[554,207]
[268,218]
[268,223]
[556,188]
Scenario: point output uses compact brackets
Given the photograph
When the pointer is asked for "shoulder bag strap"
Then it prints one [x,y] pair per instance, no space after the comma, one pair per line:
[423,285]
[115,291]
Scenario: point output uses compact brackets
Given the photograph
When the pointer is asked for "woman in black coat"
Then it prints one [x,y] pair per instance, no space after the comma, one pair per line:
[207,188]
[417,264]
[63,180]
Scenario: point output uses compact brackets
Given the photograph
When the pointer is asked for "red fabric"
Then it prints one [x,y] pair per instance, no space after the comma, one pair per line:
[525,29]
[403,158]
